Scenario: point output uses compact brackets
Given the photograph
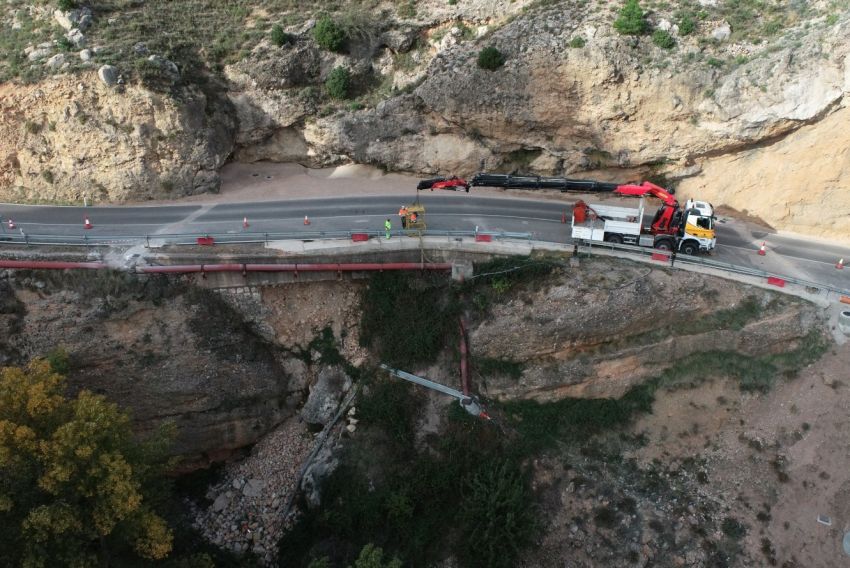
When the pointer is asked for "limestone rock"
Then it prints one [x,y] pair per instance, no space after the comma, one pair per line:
[722,32]
[108,75]
[76,37]
[325,396]
[220,401]
[39,53]
[56,61]
[319,469]
[63,19]
[220,502]
[86,55]
[253,488]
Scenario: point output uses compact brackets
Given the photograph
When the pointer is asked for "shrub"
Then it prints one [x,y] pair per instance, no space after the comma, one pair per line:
[66,5]
[577,41]
[663,39]
[687,25]
[338,83]
[631,19]
[48,176]
[497,515]
[329,35]
[280,37]
[714,62]
[490,58]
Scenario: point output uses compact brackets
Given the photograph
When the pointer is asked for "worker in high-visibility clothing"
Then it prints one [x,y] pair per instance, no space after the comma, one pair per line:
[403,214]
[413,217]
[388,226]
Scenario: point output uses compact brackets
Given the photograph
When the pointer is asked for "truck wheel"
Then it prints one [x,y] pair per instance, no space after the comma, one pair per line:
[663,245]
[614,239]
[690,248]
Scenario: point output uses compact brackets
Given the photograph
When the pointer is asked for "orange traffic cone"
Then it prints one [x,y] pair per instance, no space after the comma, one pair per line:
[11,224]
[306,220]
[840,264]
[245,222]
[762,250]
[87,224]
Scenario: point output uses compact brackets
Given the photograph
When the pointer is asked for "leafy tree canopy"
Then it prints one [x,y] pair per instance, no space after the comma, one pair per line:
[73,482]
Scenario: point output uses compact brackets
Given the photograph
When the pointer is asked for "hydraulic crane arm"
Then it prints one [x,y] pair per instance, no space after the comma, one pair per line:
[572,185]
[648,188]
[538,182]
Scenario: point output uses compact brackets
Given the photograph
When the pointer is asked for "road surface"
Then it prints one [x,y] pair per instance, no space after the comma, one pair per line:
[738,242]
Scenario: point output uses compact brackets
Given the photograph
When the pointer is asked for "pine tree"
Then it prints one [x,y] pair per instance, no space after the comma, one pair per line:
[631,19]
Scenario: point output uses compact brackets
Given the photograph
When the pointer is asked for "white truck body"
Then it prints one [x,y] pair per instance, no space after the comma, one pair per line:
[609,219]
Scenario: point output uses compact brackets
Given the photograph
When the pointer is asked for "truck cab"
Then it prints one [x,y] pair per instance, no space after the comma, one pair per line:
[697,232]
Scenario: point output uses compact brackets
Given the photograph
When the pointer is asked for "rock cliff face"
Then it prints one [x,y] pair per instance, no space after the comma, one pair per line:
[72,137]
[602,330]
[166,353]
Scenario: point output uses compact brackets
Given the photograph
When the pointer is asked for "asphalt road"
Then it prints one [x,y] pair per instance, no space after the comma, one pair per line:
[738,242]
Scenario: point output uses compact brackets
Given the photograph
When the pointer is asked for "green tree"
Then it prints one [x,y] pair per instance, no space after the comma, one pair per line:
[490,58]
[372,556]
[631,19]
[72,479]
[338,83]
[329,34]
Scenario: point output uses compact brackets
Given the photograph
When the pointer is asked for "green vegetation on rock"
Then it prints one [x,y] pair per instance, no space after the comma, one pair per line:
[338,83]
[329,34]
[407,320]
[663,39]
[280,37]
[490,58]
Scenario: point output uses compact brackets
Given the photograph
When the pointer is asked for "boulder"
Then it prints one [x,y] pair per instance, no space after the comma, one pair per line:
[108,75]
[76,37]
[86,55]
[63,19]
[56,61]
[253,488]
[167,66]
[722,32]
[140,49]
[220,502]
[39,53]
[320,468]
[325,395]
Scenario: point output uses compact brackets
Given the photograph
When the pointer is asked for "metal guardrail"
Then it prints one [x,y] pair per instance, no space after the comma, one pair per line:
[710,263]
[245,237]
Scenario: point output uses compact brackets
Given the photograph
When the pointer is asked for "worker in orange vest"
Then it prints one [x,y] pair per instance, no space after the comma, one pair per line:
[413,217]
[403,214]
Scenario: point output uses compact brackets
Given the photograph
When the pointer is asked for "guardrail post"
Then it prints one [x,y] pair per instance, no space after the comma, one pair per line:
[86,239]
[266,236]
[147,241]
